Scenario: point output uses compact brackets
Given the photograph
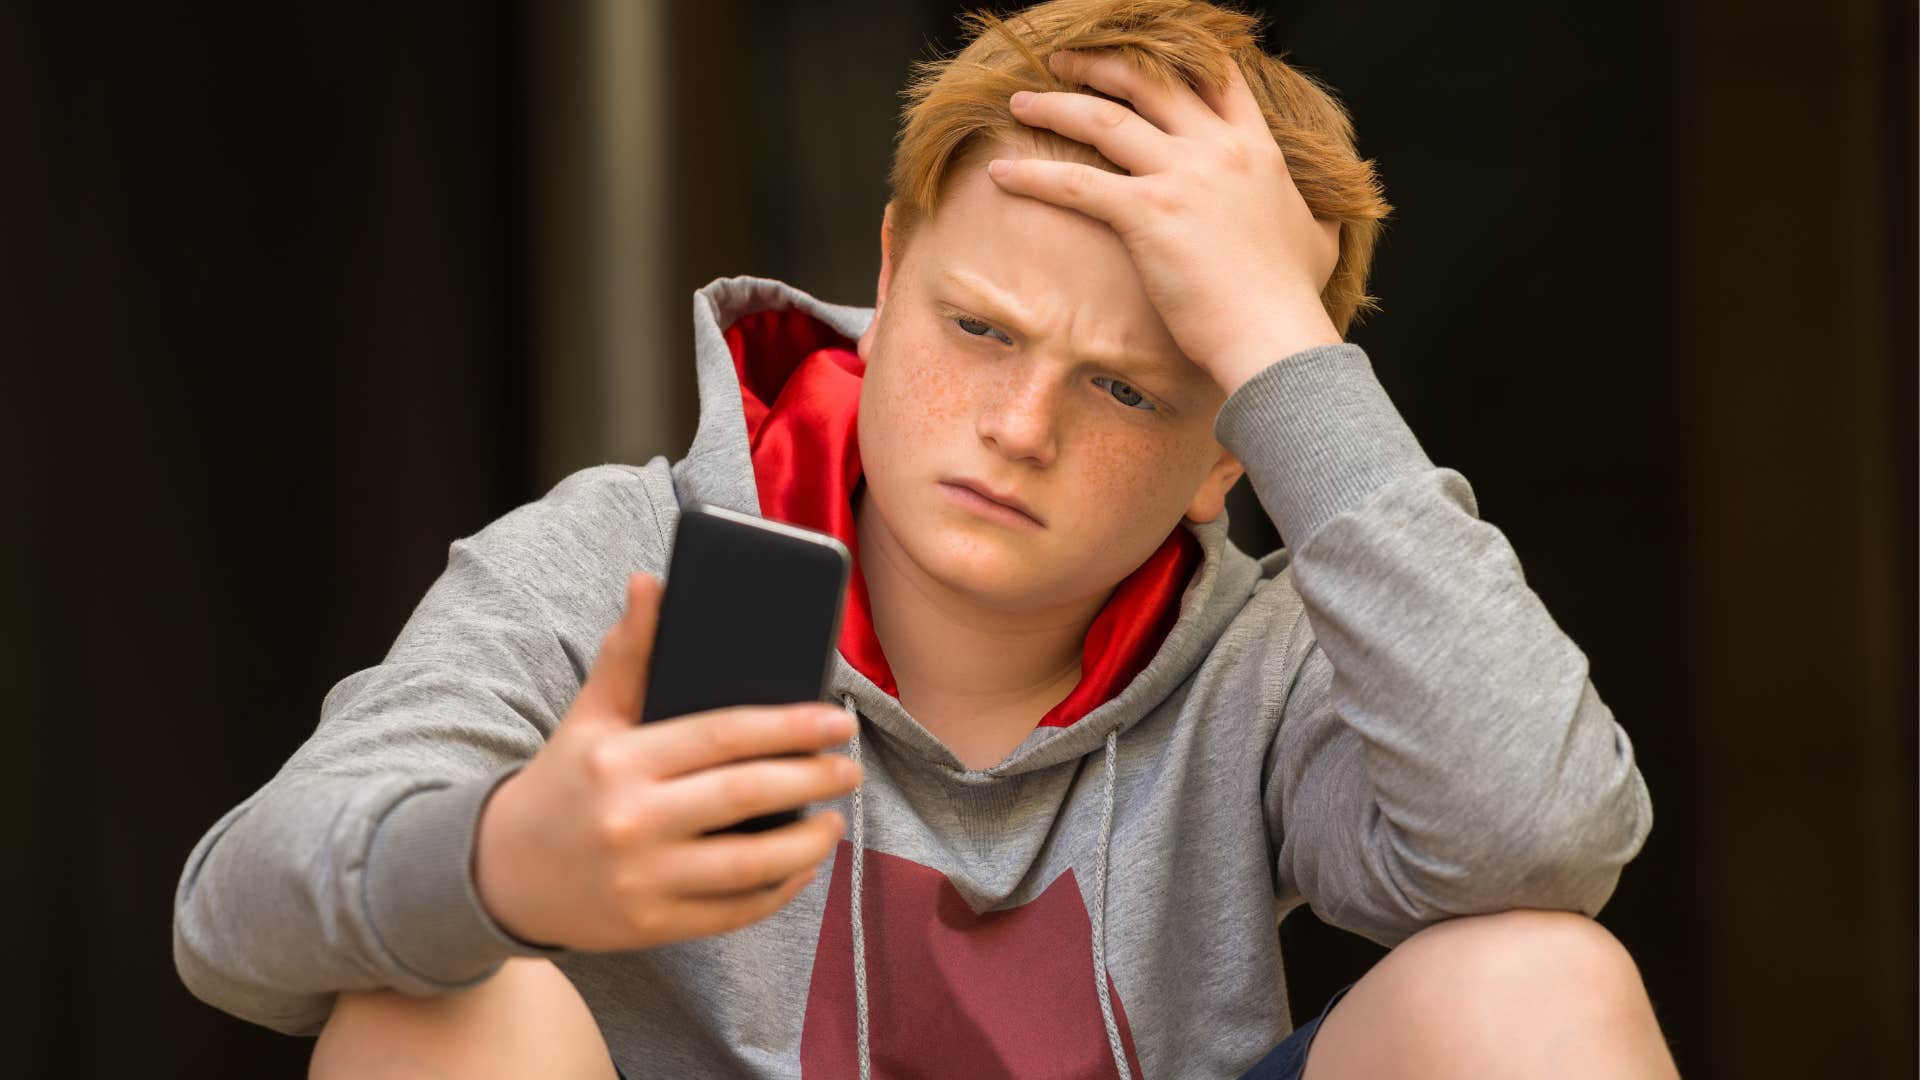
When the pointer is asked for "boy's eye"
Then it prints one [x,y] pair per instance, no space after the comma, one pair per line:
[967,324]
[1126,395]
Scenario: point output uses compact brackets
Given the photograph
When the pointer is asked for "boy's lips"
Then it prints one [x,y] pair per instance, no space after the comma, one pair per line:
[1005,499]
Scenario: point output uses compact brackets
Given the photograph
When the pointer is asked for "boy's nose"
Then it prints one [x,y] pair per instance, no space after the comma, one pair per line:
[1020,421]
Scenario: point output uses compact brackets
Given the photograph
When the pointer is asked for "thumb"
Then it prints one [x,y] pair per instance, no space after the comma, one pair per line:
[618,681]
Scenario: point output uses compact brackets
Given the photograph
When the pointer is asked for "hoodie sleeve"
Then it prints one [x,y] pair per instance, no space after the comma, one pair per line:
[1440,749]
[350,869]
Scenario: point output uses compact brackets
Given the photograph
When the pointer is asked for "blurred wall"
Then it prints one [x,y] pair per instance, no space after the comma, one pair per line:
[609,386]
[266,354]
[300,294]
[1795,190]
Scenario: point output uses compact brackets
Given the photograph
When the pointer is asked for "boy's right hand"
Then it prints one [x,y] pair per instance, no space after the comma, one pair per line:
[597,844]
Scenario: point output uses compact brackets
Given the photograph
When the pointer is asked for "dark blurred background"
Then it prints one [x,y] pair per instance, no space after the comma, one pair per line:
[299,293]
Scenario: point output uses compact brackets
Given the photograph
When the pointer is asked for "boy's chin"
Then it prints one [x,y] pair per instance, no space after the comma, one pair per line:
[980,567]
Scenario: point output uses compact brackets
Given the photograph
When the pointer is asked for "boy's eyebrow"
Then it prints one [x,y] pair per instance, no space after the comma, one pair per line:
[1002,309]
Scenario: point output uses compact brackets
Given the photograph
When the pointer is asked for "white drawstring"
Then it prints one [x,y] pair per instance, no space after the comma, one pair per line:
[859,931]
[1100,919]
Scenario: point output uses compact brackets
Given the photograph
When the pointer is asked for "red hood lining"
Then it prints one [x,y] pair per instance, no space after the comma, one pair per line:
[800,388]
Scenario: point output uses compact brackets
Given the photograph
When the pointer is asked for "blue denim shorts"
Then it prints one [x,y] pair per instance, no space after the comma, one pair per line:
[1288,1060]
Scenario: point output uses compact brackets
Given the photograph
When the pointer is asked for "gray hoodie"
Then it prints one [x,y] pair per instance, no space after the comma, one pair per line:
[1380,721]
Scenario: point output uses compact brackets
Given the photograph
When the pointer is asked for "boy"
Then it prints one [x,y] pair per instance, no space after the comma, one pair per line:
[1093,751]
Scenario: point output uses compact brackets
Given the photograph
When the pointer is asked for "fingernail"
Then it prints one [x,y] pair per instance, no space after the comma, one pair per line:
[999,166]
[1021,97]
[836,723]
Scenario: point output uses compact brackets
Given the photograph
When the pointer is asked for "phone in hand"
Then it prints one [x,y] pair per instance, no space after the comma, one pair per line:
[750,616]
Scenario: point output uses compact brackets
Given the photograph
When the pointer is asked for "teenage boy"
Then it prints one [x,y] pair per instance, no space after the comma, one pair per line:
[1093,752]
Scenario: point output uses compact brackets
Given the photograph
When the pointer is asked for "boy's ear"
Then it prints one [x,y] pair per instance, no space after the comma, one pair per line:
[1211,500]
[886,274]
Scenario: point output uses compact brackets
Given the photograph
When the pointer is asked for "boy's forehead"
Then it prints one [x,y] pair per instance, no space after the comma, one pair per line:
[1033,267]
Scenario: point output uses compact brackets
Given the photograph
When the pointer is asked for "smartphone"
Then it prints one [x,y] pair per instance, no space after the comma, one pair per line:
[751,616]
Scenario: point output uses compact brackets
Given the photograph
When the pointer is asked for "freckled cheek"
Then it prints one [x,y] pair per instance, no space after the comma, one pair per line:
[1127,467]
[914,397]
[945,394]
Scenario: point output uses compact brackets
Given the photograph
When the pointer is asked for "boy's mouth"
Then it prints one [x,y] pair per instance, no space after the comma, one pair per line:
[979,494]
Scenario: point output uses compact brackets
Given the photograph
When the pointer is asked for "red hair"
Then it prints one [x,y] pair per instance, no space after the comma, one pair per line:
[956,112]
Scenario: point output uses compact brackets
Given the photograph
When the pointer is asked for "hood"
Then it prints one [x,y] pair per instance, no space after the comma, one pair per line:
[779,382]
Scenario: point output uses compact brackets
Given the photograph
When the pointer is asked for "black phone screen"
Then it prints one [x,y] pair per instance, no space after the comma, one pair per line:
[751,616]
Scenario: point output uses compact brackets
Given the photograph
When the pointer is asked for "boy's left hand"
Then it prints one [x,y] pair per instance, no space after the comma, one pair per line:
[1228,251]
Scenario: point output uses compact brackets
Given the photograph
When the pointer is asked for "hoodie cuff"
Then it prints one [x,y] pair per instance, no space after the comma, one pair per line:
[1317,434]
[421,898]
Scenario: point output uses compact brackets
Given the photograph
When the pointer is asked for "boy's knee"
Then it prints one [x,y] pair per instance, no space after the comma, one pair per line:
[1554,976]
[1522,992]
[526,1020]
[1528,959]
[1527,945]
